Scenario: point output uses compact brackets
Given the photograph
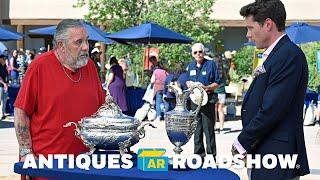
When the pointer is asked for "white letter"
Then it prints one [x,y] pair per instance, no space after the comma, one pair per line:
[209,162]
[225,161]
[238,161]
[95,161]
[126,161]
[43,161]
[195,157]
[287,161]
[60,158]
[265,161]
[113,161]
[179,161]
[71,161]
[83,165]
[29,162]
[256,161]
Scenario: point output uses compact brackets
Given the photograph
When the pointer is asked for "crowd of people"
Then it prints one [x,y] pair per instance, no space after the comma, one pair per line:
[118,79]
[17,62]
[14,64]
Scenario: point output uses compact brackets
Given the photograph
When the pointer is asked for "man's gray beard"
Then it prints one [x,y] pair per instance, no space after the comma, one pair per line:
[76,63]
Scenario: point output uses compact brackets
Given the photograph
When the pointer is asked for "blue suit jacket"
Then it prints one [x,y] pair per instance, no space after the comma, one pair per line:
[272,111]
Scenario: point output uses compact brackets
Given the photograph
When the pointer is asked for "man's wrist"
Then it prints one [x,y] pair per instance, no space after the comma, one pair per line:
[25,151]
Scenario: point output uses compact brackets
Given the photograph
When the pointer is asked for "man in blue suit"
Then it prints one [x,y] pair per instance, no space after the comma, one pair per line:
[272,109]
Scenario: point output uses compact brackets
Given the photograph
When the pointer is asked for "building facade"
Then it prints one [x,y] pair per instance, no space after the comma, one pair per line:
[23,15]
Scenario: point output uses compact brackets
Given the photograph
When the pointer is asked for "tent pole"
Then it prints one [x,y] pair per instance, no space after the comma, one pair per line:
[142,73]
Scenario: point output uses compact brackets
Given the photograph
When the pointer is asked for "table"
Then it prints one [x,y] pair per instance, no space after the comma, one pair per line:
[134,99]
[133,173]
[12,95]
[311,96]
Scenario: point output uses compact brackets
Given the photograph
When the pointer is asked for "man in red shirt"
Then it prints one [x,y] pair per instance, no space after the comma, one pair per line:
[60,86]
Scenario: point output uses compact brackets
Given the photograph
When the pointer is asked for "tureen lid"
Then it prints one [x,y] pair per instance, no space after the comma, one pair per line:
[110,111]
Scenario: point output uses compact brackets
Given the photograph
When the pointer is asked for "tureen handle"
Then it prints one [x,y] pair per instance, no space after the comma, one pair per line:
[139,134]
[70,123]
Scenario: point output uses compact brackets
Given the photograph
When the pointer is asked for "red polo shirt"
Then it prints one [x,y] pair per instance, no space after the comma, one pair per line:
[51,99]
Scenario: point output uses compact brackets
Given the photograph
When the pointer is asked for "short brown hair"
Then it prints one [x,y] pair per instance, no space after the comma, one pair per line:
[263,9]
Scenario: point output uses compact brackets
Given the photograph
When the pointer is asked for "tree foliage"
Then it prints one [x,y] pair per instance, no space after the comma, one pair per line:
[243,60]
[190,18]
[244,57]
[310,52]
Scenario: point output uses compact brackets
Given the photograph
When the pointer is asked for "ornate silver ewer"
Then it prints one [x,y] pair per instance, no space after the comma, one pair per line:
[181,123]
[109,128]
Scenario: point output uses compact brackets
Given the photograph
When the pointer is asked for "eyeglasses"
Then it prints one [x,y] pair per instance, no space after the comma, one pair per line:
[195,52]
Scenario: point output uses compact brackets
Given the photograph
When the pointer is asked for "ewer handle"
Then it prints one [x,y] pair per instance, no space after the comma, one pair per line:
[196,111]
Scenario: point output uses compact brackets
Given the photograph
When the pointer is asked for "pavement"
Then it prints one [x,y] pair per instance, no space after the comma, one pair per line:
[157,138]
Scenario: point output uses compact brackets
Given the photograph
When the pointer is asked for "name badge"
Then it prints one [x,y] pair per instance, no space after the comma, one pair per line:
[193,72]
[204,73]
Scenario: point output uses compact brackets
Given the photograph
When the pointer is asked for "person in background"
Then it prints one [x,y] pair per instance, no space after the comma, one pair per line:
[22,63]
[116,84]
[95,56]
[155,63]
[221,91]
[122,62]
[317,110]
[42,50]
[60,86]
[169,98]
[158,77]
[204,72]
[4,80]
[234,77]
[28,56]
[7,57]
[14,67]
[272,110]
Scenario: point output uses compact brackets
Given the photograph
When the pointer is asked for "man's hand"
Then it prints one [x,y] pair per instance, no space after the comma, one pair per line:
[189,84]
[234,151]
[207,88]
[22,159]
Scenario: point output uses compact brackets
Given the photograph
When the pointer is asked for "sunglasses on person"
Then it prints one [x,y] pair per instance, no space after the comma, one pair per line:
[195,52]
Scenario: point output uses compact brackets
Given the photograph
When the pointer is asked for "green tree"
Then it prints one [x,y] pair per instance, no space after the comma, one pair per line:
[243,60]
[190,18]
[309,50]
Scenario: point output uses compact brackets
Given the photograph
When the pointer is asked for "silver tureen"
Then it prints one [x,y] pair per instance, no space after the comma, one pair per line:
[109,128]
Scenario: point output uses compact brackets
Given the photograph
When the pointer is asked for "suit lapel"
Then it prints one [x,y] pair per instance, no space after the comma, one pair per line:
[282,41]
[248,92]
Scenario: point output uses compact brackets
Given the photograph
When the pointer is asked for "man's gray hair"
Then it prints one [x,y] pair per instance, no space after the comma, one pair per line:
[198,46]
[62,28]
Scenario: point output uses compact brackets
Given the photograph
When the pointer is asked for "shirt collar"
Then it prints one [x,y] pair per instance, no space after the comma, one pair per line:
[270,48]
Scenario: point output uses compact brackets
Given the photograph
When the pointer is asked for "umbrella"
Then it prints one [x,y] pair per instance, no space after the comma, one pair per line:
[303,33]
[94,33]
[149,33]
[8,35]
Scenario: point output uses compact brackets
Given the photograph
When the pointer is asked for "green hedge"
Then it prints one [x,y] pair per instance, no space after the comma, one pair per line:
[243,60]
